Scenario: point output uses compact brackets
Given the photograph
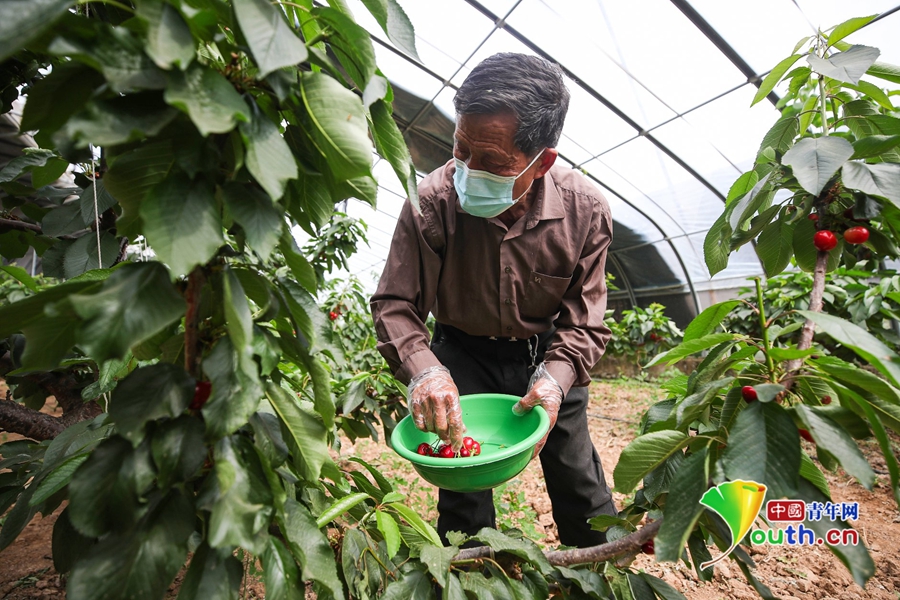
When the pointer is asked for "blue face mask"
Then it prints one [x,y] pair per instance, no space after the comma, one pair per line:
[483,194]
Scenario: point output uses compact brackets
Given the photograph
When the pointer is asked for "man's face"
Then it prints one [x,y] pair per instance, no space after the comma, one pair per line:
[485,143]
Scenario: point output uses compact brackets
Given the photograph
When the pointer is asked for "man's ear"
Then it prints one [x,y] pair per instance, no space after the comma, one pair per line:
[548,158]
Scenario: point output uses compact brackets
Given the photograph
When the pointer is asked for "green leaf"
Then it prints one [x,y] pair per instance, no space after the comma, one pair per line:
[810,472]
[809,111]
[644,454]
[119,120]
[847,27]
[48,341]
[706,322]
[805,251]
[169,40]
[521,547]
[280,573]
[689,347]
[306,432]
[131,175]
[389,529]
[238,320]
[763,446]
[847,66]
[105,201]
[271,40]
[68,544]
[182,222]
[390,144]
[683,507]
[337,126]
[885,71]
[147,394]
[412,585]
[395,23]
[875,93]
[383,484]
[20,275]
[874,145]
[831,437]
[781,136]
[591,583]
[135,302]
[236,389]
[884,443]
[178,449]
[867,346]
[30,159]
[767,392]
[21,21]
[774,246]
[207,98]
[340,507]
[716,244]
[855,557]
[139,564]
[815,160]
[437,559]
[303,272]
[268,158]
[741,186]
[256,213]
[882,179]
[350,43]
[103,494]
[213,574]
[661,588]
[417,523]
[774,76]
[242,507]
[57,479]
[44,111]
[310,547]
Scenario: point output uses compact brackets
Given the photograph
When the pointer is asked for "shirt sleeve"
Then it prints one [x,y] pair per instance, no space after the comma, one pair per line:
[581,335]
[406,293]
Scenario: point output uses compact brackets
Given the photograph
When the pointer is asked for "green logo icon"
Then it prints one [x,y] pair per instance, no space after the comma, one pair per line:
[738,503]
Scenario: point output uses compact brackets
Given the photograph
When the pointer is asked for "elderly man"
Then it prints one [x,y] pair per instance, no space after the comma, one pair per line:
[509,254]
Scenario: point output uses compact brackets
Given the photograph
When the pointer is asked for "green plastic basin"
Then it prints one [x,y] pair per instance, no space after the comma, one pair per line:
[507,444]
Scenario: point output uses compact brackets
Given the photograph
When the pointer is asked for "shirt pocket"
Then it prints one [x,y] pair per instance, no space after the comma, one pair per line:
[543,294]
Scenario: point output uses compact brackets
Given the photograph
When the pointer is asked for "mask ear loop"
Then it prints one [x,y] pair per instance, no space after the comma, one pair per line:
[533,160]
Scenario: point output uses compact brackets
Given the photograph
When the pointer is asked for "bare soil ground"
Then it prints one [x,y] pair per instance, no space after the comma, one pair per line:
[805,573]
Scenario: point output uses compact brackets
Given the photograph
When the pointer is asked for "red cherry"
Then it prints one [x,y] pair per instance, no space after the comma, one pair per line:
[825,240]
[423,449]
[446,452]
[813,217]
[647,547]
[464,452]
[749,393]
[826,399]
[475,450]
[201,395]
[856,235]
[806,436]
[468,443]
[332,315]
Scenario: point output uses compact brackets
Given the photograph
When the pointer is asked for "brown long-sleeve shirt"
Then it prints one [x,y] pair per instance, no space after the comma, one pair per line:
[479,276]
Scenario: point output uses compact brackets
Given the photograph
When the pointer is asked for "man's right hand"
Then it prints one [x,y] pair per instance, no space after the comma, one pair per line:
[434,404]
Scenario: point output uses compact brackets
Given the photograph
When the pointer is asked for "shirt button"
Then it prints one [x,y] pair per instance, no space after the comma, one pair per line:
[508,301]
[508,269]
[509,328]
[537,279]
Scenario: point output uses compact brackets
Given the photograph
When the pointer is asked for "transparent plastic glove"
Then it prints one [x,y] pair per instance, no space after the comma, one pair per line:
[434,404]
[543,390]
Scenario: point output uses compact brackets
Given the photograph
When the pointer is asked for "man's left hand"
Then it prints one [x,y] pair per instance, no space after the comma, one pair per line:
[546,392]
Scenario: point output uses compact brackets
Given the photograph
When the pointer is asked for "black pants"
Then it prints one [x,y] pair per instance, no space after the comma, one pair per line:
[572,470]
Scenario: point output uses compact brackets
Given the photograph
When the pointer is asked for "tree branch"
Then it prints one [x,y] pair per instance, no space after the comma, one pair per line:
[196,279]
[19,225]
[578,556]
[815,305]
[16,418]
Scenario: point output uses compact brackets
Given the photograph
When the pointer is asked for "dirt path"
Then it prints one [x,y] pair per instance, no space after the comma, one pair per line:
[26,570]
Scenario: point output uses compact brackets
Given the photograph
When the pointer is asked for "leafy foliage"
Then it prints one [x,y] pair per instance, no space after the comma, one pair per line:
[641,332]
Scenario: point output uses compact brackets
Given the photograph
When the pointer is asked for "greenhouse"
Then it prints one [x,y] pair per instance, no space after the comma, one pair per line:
[469,300]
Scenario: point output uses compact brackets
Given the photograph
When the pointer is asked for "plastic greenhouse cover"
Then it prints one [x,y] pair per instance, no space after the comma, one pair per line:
[656,100]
